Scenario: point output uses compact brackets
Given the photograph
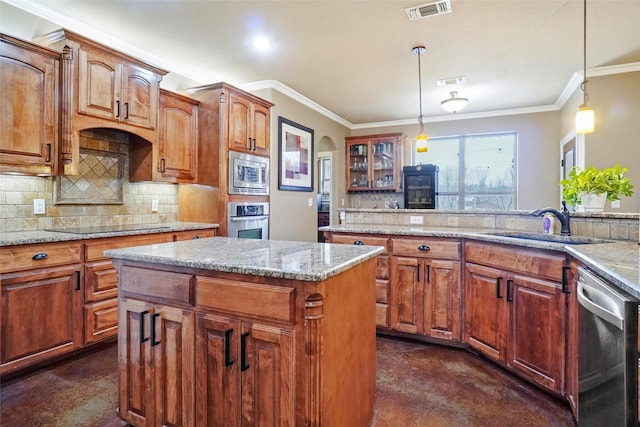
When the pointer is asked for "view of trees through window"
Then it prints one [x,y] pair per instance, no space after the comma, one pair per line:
[475,171]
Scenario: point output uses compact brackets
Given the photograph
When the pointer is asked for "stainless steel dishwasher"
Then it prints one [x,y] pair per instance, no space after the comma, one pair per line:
[608,354]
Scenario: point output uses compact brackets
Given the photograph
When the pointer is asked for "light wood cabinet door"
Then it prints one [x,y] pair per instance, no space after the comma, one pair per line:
[177,151]
[249,125]
[40,315]
[112,89]
[485,311]
[157,382]
[246,373]
[29,117]
[537,330]
[442,299]
[406,295]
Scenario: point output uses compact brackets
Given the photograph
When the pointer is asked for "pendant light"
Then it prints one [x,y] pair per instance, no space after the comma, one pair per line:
[421,139]
[454,104]
[585,117]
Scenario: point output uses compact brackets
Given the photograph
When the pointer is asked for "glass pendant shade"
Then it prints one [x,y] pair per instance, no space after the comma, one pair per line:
[421,143]
[585,120]
[454,104]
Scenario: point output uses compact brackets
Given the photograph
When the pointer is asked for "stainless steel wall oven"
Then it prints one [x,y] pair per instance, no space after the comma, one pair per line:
[248,220]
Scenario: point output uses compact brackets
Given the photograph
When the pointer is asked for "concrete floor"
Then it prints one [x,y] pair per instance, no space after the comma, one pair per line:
[418,385]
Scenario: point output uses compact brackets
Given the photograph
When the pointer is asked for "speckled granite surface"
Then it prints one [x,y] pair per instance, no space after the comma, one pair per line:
[41,236]
[617,262]
[271,258]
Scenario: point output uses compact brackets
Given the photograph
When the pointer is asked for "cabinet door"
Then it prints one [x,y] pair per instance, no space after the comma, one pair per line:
[135,354]
[442,299]
[385,164]
[139,97]
[218,367]
[260,128]
[485,310]
[358,176]
[173,338]
[99,77]
[28,110]
[178,139]
[537,334]
[268,376]
[406,295]
[239,123]
[40,315]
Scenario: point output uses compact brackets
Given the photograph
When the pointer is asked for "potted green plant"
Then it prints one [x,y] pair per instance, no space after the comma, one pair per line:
[605,184]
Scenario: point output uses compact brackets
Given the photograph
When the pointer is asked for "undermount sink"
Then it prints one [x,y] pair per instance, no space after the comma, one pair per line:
[553,238]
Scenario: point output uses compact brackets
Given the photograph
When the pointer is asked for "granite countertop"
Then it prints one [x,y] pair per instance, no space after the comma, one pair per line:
[62,235]
[618,262]
[270,258]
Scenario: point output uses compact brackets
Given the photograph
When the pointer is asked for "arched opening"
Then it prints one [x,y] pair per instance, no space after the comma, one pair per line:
[325,177]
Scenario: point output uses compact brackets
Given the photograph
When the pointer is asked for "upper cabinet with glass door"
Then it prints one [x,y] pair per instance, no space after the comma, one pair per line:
[374,162]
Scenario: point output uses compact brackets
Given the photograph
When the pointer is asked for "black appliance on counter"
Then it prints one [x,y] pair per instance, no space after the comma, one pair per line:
[420,186]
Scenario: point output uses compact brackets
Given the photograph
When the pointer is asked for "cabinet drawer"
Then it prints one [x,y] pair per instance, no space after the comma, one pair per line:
[158,285]
[367,240]
[194,234]
[382,291]
[94,249]
[382,315]
[26,257]
[249,299]
[382,267]
[100,320]
[427,247]
[100,281]
[542,264]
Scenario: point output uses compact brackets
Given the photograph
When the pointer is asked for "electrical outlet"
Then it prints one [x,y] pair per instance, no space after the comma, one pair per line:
[310,201]
[342,202]
[39,206]
[615,204]
[415,219]
[154,205]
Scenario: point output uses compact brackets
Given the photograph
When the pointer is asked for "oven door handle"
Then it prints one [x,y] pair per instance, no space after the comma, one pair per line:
[248,218]
[606,315]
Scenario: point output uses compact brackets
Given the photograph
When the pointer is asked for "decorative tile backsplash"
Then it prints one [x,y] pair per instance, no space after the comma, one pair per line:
[18,192]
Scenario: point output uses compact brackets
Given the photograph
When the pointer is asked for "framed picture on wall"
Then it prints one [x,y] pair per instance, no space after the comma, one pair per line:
[295,156]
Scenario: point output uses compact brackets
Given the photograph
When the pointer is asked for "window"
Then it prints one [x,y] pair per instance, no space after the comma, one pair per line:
[475,171]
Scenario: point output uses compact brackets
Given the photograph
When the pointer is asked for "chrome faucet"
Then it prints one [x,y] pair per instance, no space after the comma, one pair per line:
[562,216]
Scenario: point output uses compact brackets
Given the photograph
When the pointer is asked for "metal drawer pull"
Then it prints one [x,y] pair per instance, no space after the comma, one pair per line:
[40,256]
[117,108]
[358,242]
[424,248]
[153,329]
[243,352]
[509,290]
[142,338]
[498,291]
[227,347]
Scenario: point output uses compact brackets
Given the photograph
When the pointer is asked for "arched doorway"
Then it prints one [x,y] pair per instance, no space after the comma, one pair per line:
[325,177]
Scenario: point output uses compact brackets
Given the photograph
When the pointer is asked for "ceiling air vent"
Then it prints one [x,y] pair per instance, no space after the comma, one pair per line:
[429,9]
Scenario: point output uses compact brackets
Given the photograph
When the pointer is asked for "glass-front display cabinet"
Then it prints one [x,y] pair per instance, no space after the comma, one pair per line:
[374,163]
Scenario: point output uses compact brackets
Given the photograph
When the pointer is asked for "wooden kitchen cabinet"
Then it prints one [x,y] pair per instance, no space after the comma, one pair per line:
[515,310]
[249,122]
[374,162]
[425,294]
[40,313]
[382,271]
[29,109]
[178,141]
[156,385]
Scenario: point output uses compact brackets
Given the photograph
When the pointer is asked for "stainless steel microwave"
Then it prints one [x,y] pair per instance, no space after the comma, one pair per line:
[248,174]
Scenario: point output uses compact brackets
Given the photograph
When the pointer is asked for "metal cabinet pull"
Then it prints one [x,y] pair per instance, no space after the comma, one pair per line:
[428,273]
[117,108]
[509,290]
[153,329]
[498,285]
[227,348]
[40,256]
[162,166]
[424,248]
[243,352]
[48,159]
[77,273]
[565,280]
[142,338]
[196,237]
[126,110]
[358,242]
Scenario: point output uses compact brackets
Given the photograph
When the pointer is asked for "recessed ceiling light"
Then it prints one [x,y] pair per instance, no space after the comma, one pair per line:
[261,43]
[451,81]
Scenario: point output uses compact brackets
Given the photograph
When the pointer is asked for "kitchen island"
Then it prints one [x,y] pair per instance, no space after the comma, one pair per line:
[224,331]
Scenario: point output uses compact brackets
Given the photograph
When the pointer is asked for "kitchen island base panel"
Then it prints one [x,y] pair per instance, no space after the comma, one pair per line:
[326,337]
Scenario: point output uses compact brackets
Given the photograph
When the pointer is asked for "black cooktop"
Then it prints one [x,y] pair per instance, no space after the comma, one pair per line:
[109,229]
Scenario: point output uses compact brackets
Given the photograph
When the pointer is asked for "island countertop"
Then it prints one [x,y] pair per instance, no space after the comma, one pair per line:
[270,258]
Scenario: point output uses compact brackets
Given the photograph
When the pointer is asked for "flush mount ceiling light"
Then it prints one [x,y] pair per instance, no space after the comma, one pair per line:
[585,117]
[421,139]
[454,104]
[260,43]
